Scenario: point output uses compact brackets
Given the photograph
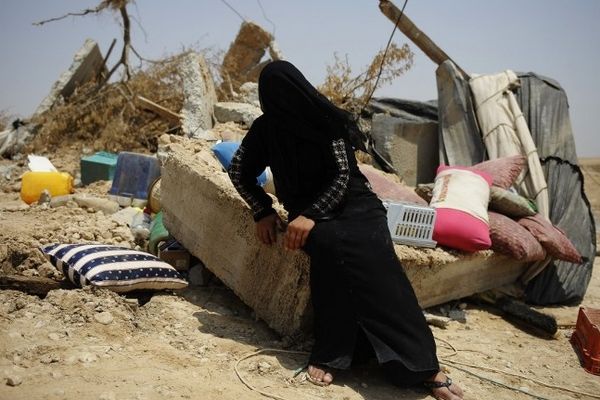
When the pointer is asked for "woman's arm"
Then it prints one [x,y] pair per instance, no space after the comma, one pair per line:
[247,163]
[336,190]
[298,230]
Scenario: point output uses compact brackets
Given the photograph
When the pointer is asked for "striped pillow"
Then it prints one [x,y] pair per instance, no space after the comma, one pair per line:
[116,268]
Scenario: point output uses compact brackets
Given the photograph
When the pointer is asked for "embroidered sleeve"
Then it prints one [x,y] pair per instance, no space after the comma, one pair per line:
[333,195]
[243,170]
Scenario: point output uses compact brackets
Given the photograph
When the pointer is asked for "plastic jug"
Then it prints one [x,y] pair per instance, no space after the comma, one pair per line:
[34,183]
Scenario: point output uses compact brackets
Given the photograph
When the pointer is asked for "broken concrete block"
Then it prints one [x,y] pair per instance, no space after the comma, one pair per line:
[248,93]
[199,97]
[411,147]
[236,112]
[205,213]
[87,64]
[244,54]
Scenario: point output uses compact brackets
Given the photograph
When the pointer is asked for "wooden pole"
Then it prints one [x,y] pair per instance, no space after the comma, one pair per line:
[419,38]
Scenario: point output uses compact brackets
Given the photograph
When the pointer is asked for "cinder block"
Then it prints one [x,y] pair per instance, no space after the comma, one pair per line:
[411,147]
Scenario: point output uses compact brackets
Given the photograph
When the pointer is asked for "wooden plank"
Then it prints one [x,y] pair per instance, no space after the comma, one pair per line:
[431,50]
[158,109]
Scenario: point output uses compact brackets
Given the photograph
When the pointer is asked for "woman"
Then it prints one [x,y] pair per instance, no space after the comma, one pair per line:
[361,297]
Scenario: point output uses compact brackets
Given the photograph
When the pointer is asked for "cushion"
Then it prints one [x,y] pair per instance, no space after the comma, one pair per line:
[117,268]
[552,239]
[504,171]
[502,200]
[460,197]
[385,188]
[509,203]
[510,238]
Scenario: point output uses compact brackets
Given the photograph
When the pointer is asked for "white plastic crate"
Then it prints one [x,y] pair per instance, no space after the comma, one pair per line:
[410,223]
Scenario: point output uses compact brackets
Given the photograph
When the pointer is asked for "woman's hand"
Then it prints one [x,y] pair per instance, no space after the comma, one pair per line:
[266,228]
[297,232]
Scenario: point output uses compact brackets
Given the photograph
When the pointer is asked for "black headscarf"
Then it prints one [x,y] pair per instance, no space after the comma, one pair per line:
[291,104]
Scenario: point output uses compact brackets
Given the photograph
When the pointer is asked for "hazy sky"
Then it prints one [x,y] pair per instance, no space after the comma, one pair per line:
[556,38]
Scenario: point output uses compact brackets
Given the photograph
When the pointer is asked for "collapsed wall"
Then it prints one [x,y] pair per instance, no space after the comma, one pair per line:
[204,212]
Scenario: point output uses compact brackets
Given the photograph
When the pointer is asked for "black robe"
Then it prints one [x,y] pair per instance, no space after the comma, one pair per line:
[358,287]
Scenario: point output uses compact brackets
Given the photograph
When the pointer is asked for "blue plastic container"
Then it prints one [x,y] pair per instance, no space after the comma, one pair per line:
[225,151]
[98,167]
[133,176]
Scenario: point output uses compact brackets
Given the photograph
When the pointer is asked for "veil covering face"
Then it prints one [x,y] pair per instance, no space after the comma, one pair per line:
[289,101]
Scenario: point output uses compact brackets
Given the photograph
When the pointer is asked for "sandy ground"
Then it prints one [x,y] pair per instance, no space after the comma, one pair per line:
[88,344]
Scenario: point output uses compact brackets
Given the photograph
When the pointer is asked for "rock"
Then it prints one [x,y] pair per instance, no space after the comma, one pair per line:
[87,357]
[237,112]
[104,317]
[248,93]
[14,380]
[199,96]
[53,336]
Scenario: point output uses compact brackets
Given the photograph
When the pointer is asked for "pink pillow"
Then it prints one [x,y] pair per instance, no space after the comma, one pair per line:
[386,189]
[504,170]
[460,197]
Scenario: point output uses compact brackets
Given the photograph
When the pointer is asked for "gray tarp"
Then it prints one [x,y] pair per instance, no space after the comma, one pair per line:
[460,140]
[546,110]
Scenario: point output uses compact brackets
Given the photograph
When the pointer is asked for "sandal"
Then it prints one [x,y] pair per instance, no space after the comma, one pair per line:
[438,384]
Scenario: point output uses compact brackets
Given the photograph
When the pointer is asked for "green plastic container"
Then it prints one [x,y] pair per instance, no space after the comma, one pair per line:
[98,167]
[158,233]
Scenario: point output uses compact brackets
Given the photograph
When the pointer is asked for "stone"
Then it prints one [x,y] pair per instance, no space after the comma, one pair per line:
[87,64]
[199,97]
[248,93]
[243,58]
[105,317]
[14,380]
[236,112]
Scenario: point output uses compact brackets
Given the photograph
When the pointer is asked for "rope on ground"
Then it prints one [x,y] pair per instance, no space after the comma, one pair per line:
[454,364]
[255,353]
[548,385]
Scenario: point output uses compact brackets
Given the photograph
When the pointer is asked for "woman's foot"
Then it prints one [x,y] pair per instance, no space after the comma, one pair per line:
[442,387]
[319,376]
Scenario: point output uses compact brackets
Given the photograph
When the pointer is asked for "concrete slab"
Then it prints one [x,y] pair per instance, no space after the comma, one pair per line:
[199,97]
[205,213]
[411,147]
[87,65]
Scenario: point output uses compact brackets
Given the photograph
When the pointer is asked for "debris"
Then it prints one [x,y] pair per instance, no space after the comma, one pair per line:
[104,317]
[410,147]
[236,112]
[40,164]
[157,109]
[107,206]
[14,380]
[199,275]
[31,284]
[248,93]
[12,140]
[199,97]
[242,61]
[87,65]
[437,320]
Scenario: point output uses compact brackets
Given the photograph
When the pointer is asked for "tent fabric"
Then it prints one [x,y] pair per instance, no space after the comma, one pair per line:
[459,138]
[546,110]
[406,110]
[505,132]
